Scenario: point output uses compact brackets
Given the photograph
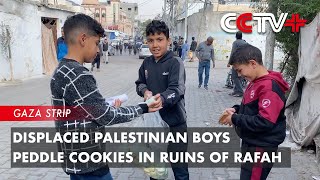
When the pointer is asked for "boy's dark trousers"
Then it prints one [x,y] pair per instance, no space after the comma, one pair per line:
[237,82]
[251,171]
[180,52]
[96,61]
[180,170]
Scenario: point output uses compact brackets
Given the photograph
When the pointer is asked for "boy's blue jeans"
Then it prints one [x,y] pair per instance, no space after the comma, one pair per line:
[90,177]
[204,65]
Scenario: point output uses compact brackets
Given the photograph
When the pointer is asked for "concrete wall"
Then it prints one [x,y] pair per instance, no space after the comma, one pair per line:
[130,14]
[223,41]
[23,22]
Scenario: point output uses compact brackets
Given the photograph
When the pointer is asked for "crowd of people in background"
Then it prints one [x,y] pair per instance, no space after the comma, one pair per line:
[203,51]
[126,48]
[259,120]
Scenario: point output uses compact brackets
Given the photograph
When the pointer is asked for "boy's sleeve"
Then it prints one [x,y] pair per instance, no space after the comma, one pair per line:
[141,84]
[176,86]
[236,107]
[84,94]
[270,106]
[212,55]
[198,51]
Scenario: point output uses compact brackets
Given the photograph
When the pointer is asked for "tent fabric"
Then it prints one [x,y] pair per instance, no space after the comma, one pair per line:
[303,104]
[49,56]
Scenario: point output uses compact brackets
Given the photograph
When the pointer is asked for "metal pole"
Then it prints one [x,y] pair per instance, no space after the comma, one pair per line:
[164,16]
[186,21]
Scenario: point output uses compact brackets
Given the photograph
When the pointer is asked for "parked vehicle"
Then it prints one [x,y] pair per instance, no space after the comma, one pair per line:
[144,51]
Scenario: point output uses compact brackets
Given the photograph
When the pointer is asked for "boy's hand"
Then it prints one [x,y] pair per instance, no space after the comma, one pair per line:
[155,105]
[117,103]
[227,120]
[147,95]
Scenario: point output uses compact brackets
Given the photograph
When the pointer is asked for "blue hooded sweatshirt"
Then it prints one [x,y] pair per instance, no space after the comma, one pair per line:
[62,48]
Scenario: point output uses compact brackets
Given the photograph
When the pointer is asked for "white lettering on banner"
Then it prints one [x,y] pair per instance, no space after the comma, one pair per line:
[181,157]
[257,157]
[36,113]
[225,22]
[58,112]
[224,156]
[261,18]
[41,157]
[210,137]
[30,113]
[44,137]
[110,157]
[140,137]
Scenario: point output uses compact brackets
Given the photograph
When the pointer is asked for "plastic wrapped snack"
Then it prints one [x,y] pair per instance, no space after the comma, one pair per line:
[156,173]
[152,120]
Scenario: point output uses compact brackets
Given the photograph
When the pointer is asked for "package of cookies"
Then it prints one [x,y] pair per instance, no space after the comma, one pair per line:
[223,116]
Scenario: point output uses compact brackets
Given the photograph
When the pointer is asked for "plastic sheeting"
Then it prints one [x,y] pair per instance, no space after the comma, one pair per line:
[49,55]
[303,104]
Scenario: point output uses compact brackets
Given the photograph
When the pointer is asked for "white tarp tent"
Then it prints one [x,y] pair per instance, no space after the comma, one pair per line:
[303,104]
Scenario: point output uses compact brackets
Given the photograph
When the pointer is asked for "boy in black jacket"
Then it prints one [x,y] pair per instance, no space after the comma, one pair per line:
[259,120]
[165,74]
[73,85]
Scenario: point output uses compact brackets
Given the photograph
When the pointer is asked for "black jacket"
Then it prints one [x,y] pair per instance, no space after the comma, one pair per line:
[167,77]
[260,119]
[193,46]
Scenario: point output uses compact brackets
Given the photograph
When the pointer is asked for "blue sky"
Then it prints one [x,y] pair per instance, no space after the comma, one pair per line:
[148,9]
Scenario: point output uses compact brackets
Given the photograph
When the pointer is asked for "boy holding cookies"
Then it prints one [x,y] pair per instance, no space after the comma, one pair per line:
[259,120]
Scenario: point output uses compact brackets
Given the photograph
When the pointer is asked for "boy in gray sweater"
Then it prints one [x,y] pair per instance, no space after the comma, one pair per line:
[73,85]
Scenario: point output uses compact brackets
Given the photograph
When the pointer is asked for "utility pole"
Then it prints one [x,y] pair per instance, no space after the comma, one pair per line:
[202,22]
[169,14]
[270,40]
[186,20]
[164,15]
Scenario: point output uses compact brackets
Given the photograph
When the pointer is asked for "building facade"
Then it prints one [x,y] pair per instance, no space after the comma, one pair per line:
[22,27]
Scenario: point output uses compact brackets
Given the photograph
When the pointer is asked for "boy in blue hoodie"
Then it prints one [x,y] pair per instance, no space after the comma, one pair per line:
[62,48]
[259,120]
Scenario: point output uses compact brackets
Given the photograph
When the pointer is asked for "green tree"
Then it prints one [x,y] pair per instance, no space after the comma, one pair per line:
[288,41]
[143,26]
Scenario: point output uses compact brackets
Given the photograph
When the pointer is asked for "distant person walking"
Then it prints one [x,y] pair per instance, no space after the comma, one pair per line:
[105,50]
[185,48]
[193,48]
[120,48]
[205,54]
[130,48]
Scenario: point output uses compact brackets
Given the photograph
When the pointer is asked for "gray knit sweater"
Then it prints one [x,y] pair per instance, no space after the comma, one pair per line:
[73,85]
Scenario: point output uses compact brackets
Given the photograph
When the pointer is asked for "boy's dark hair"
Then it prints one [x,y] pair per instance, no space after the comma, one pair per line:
[239,35]
[245,53]
[158,27]
[81,22]
[192,38]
